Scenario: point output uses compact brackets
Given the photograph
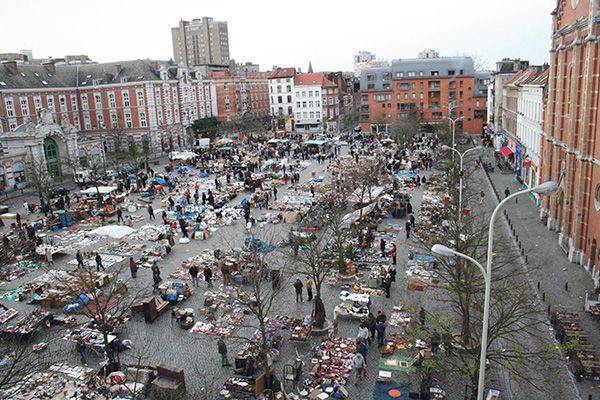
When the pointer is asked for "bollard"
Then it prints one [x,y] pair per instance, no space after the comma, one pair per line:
[523,252]
[538,285]
[543,296]
[566,286]
[516,200]
[548,309]
[517,237]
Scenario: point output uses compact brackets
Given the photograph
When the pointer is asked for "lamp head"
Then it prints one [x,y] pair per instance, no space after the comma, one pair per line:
[546,188]
[445,147]
[442,250]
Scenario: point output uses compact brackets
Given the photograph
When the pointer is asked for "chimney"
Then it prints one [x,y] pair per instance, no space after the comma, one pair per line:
[49,65]
[11,65]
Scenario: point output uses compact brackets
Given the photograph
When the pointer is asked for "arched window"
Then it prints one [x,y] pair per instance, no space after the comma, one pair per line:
[52,157]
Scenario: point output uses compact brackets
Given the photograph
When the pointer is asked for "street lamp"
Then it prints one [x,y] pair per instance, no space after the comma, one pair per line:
[546,188]
[460,186]
[453,122]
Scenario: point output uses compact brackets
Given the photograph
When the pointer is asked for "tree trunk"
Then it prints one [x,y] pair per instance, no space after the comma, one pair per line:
[319,310]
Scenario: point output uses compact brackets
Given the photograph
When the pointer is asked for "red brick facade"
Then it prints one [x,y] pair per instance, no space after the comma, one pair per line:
[429,97]
[571,148]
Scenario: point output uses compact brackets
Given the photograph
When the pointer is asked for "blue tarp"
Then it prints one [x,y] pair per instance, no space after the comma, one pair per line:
[315,142]
[406,175]
[203,175]
[244,202]
[183,169]
[159,181]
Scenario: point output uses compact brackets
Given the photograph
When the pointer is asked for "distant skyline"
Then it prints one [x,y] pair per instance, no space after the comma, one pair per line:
[327,33]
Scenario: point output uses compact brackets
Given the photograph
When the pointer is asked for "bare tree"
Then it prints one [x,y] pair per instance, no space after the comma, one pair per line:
[403,130]
[517,336]
[109,303]
[39,178]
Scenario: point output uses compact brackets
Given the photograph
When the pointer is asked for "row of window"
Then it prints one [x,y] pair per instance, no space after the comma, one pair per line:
[309,114]
[386,76]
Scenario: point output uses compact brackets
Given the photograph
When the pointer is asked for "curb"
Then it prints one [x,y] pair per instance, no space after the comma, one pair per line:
[524,262]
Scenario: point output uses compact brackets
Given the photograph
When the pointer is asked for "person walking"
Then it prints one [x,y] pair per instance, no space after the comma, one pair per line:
[363,332]
[193,270]
[79,258]
[435,340]
[222,347]
[310,283]
[119,215]
[362,348]
[164,217]
[151,212]
[380,329]
[48,254]
[298,286]
[393,255]
[481,197]
[208,276]
[411,219]
[80,346]
[358,363]
[422,317]
[387,285]
[408,227]
[155,275]
[382,247]
[371,323]
[506,192]
[99,263]
[133,267]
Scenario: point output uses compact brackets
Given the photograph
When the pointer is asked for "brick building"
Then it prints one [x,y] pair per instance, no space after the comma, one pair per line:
[144,101]
[237,96]
[571,148]
[431,87]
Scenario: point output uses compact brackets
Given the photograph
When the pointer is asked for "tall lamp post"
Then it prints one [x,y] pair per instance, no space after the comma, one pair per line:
[453,122]
[546,188]
[460,185]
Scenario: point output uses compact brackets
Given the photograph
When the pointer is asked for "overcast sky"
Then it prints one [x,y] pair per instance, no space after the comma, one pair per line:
[327,32]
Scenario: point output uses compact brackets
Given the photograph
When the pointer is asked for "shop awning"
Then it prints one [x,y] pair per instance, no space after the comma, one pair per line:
[506,151]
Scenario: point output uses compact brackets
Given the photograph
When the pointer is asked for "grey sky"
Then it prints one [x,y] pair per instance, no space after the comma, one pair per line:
[327,32]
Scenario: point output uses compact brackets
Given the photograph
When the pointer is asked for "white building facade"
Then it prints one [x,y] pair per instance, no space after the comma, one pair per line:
[308,107]
[529,126]
[281,92]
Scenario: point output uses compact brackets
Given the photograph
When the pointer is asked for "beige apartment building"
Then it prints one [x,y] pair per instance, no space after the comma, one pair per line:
[201,42]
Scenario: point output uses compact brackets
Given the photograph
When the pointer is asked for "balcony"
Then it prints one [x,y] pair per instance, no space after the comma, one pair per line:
[434,85]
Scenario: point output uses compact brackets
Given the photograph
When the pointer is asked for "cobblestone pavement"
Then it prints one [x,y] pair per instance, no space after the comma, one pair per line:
[548,264]
[163,341]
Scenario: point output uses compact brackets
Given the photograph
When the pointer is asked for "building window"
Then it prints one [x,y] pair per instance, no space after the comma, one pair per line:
[279,99]
[84,101]
[318,114]
[317,103]
[24,107]
[312,114]
[87,123]
[143,122]
[126,102]
[50,100]
[73,102]
[37,101]
[298,104]
[316,93]
[435,73]
[111,100]
[128,123]
[289,99]
[140,98]
[98,101]
[310,104]
[63,104]
[100,118]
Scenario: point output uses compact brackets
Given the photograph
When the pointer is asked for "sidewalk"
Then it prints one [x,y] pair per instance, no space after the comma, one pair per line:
[549,266]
